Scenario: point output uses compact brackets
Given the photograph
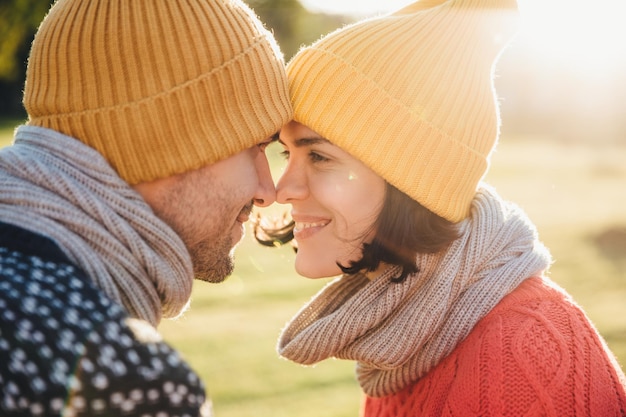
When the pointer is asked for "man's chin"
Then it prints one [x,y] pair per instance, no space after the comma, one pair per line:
[214,270]
[220,271]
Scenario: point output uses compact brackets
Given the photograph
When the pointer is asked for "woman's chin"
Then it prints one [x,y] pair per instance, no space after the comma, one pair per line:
[315,270]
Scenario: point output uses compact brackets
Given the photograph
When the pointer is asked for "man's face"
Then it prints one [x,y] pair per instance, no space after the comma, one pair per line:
[208,206]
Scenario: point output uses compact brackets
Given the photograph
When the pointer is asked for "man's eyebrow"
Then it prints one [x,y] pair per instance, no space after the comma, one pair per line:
[300,142]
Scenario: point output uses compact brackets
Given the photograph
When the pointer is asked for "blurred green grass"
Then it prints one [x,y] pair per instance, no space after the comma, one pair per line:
[574,192]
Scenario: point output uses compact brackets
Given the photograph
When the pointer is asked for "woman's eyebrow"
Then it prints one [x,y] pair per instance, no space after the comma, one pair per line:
[300,142]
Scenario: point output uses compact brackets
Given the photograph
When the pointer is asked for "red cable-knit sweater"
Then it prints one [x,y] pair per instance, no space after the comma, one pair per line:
[535,354]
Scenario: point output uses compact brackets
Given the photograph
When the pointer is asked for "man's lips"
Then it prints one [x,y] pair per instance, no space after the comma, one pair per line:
[244,214]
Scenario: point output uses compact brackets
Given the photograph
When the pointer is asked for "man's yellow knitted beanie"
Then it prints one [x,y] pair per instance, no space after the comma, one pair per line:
[411,95]
[158,87]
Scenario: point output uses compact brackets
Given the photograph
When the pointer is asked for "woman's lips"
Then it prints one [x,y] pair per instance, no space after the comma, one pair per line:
[304,229]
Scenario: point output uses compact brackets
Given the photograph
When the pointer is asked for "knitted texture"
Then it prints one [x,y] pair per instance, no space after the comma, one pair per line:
[398,332]
[68,350]
[56,186]
[411,95]
[158,87]
[534,354]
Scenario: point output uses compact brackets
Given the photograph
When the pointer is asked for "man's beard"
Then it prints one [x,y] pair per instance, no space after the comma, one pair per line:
[213,261]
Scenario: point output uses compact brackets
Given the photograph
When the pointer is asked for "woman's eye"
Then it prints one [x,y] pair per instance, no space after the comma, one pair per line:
[314,157]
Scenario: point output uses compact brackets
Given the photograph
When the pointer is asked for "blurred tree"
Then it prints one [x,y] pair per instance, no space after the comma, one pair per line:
[292,24]
[18,21]
[280,16]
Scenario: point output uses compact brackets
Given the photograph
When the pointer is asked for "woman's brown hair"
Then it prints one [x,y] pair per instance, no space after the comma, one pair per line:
[404,228]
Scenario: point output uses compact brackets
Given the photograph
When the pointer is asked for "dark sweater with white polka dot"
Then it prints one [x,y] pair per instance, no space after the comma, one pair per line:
[67,349]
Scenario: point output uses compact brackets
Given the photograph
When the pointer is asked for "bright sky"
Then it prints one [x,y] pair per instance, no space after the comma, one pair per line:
[586,35]
[361,7]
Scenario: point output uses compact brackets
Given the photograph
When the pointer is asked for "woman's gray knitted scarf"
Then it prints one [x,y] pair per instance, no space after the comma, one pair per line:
[398,332]
[56,186]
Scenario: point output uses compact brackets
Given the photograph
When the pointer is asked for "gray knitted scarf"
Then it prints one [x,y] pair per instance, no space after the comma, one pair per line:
[397,332]
[57,186]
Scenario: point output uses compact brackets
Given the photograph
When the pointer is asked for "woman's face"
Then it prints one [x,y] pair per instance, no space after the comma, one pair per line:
[335,201]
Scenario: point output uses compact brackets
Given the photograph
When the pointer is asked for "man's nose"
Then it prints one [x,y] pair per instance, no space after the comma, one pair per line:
[266,192]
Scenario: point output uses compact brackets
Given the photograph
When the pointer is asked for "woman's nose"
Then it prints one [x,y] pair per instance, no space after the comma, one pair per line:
[292,185]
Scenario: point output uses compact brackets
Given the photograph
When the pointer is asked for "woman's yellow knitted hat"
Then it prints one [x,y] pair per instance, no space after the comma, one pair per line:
[158,87]
[411,95]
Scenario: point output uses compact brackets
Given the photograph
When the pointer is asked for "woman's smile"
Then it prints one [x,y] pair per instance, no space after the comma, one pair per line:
[335,200]
[305,229]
